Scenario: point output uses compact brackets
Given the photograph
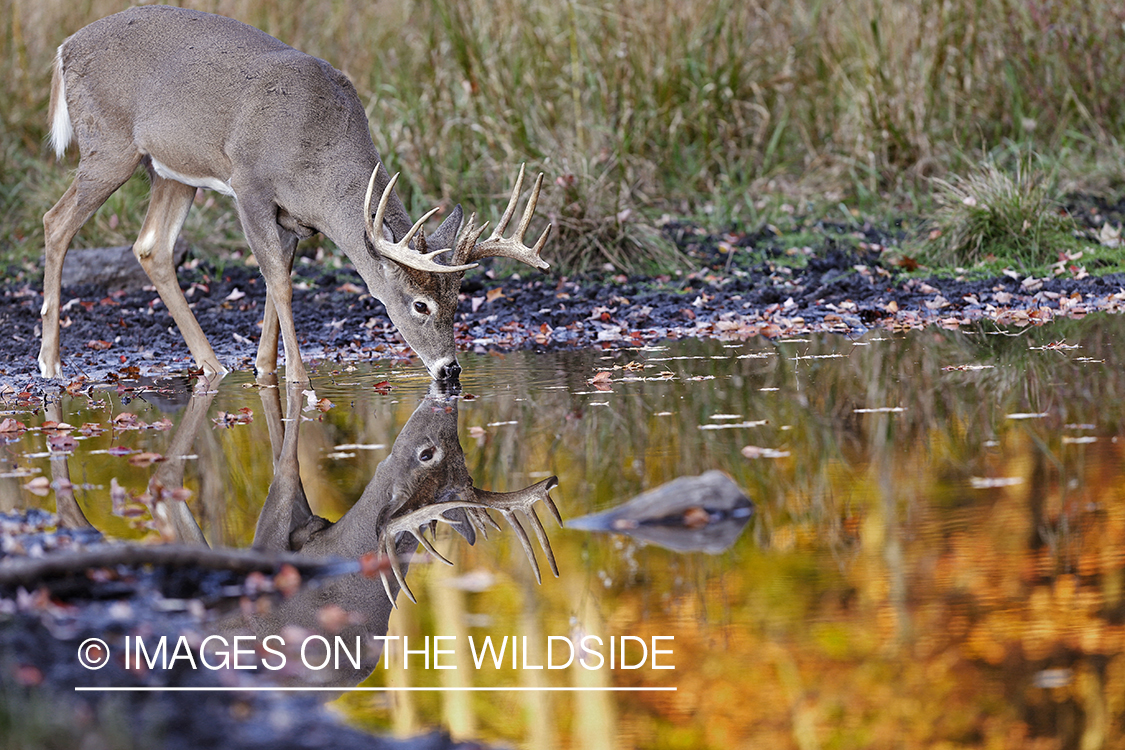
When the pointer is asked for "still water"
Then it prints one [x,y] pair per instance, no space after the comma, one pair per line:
[936,555]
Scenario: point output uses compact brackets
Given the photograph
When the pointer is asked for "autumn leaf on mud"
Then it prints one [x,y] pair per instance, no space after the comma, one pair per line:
[495,294]
[287,580]
[98,345]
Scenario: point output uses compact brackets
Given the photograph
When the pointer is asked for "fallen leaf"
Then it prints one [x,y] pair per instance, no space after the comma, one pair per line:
[98,345]
[147,458]
[754,451]
[288,580]
[38,486]
[494,294]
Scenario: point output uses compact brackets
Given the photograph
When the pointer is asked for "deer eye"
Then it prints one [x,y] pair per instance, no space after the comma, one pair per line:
[426,454]
[421,307]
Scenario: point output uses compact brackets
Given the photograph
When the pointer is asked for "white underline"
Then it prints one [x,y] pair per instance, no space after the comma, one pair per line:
[286,689]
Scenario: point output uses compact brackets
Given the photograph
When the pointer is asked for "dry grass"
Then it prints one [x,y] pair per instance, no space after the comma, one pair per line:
[638,107]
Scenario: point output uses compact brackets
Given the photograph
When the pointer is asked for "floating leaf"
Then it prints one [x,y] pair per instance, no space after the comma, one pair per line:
[38,486]
[147,458]
[754,451]
[982,483]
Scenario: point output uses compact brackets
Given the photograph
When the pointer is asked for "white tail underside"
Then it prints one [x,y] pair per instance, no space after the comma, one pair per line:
[62,129]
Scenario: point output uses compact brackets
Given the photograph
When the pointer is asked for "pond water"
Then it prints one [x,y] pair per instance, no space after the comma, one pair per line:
[937,552]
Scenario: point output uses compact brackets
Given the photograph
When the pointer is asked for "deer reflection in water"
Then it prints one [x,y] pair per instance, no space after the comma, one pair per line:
[422,482]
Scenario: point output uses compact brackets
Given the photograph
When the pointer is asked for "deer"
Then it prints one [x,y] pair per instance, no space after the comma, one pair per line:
[423,482]
[206,101]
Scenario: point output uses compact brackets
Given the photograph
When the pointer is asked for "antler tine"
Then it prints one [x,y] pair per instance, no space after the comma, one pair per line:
[526,544]
[480,520]
[412,523]
[507,503]
[469,249]
[502,226]
[400,251]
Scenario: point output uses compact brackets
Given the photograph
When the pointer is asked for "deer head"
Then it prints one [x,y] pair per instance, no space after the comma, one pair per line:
[420,294]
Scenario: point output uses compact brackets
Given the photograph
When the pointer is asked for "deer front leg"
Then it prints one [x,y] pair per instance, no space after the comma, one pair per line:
[275,255]
[97,178]
[167,209]
[266,362]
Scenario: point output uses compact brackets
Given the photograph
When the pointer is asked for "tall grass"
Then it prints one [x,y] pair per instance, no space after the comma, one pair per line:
[639,107]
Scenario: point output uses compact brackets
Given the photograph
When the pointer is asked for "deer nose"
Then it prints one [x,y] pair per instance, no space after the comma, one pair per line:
[449,371]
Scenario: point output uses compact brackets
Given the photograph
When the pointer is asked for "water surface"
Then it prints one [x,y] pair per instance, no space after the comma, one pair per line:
[937,553]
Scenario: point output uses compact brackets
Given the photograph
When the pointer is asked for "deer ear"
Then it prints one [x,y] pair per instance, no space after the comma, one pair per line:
[446,234]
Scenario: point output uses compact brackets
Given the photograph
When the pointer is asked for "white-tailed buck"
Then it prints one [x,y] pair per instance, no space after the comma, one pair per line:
[206,101]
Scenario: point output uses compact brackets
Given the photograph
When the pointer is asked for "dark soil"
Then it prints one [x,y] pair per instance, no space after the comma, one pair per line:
[739,288]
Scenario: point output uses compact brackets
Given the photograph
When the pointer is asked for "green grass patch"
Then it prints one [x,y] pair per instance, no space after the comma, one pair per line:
[1011,217]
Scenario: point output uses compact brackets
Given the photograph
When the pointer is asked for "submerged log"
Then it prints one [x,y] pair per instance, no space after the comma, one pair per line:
[706,513]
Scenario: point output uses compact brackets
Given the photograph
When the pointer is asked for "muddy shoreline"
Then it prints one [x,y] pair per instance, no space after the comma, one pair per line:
[737,287]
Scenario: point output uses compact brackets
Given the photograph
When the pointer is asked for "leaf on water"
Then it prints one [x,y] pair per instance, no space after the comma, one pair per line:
[966,368]
[64,443]
[119,450]
[983,483]
[38,486]
[12,428]
[735,425]
[226,419]
[324,404]
[126,420]
[1027,415]
[754,451]
[383,387]
[881,410]
[163,424]
[147,458]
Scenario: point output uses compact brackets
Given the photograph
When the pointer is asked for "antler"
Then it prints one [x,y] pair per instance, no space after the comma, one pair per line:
[400,251]
[412,523]
[521,500]
[507,503]
[469,250]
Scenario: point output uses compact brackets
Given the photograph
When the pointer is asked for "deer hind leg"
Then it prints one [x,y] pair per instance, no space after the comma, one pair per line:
[266,363]
[97,178]
[167,209]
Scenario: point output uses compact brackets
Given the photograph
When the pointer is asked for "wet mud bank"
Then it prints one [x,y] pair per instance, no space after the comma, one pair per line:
[737,286]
